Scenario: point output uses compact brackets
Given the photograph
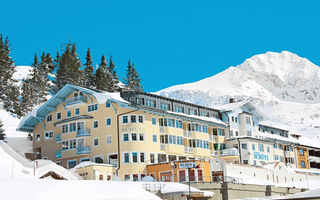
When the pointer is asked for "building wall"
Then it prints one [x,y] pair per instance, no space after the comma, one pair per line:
[50,147]
[96,172]
[302,157]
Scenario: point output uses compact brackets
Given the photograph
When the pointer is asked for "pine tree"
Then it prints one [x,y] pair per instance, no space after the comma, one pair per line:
[102,77]
[132,81]
[2,134]
[114,77]
[68,70]
[89,79]
[9,92]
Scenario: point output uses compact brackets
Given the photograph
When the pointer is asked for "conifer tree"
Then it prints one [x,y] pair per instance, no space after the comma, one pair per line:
[88,73]
[102,77]
[26,104]
[68,70]
[9,92]
[114,77]
[132,81]
[2,134]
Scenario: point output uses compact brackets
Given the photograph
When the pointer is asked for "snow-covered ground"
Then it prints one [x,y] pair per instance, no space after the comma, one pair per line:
[285,86]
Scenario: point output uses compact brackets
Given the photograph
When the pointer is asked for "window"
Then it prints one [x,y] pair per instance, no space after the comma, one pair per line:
[77,111]
[65,128]
[127,177]
[261,147]
[152,160]
[141,137]
[154,121]
[141,157]
[108,105]
[109,139]
[72,163]
[38,138]
[95,124]
[58,115]
[72,127]
[279,146]
[125,119]
[48,135]
[69,114]
[98,159]
[244,146]
[245,162]
[154,138]
[268,149]
[95,141]
[150,103]
[200,178]
[125,137]
[303,164]
[92,108]
[84,159]
[134,157]
[249,133]
[49,118]
[178,124]
[140,101]
[108,121]
[301,153]
[135,177]
[276,157]
[140,119]
[182,175]
[126,158]
[215,131]
[178,109]
[253,147]
[274,146]
[236,119]
[164,106]
[133,119]
[248,120]
[231,133]
[133,137]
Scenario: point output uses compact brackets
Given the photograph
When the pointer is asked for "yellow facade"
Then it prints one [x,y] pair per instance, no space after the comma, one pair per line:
[302,158]
[96,172]
[102,142]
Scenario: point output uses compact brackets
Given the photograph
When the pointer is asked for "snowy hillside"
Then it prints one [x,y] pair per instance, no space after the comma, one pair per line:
[284,85]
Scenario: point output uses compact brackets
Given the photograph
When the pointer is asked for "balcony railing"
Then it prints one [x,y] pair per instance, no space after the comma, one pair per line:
[162,147]
[75,100]
[213,138]
[58,137]
[161,129]
[230,152]
[188,150]
[83,149]
[83,132]
[58,154]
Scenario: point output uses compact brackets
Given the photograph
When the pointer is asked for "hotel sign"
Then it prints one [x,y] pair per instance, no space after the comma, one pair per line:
[187,165]
[260,156]
[132,128]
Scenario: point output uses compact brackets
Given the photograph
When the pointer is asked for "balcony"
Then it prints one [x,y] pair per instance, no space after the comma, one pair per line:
[229,152]
[161,129]
[162,147]
[58,137]
[83,150]
[83,132]
[188,150]
[58,154]
[75,100]
[212,138]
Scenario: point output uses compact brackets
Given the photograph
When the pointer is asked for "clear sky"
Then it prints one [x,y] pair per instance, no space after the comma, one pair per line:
[170,42]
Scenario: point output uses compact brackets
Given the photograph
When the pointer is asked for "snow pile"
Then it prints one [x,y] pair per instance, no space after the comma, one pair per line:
[22,72]
[285,86]
[66,190]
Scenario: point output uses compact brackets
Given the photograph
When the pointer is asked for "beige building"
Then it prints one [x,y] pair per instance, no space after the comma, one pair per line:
[127,130]
[95,171]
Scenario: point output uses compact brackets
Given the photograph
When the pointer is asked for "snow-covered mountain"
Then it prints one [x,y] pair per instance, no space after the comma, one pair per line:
[284,85]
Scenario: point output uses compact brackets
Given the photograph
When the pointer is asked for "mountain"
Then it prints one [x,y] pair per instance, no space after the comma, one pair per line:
[285,86]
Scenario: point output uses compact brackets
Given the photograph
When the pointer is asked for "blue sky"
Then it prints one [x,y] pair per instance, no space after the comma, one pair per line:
[170,42]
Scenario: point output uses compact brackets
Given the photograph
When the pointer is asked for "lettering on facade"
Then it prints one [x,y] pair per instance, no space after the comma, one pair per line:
[260,156]
[132,129]
[187,165]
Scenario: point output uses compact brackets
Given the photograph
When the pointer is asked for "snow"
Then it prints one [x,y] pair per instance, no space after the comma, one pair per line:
[283,85]
[171,188]
[274,125]
[66,190]
[22,72]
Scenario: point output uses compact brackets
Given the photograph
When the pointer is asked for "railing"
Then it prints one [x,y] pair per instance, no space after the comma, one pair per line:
[58,154]
[162,147]
[188,150]
[83,149]
[229,152]
[75,100]
[185,133]
[58,137]
[83,132]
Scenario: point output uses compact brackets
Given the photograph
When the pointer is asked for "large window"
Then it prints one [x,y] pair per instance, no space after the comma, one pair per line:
[49,118]
[69,144]
[93,107]
[126,158]
[72,163]
[154,121]
[77,111]
[165,106]
[69,113]
[140,119]
[108,121]
[65,128]
[244,146]
[179,109]
[48,135]
[150,103]
[125,137]
[133,119]
[125,119]
[178,124]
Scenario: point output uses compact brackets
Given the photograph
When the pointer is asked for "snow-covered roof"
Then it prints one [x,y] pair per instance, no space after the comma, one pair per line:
[274,125]
[178,188]
[32,118]
[208,119]
[89,163]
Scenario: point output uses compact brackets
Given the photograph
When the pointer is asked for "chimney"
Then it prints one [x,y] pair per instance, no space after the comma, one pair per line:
[232,100]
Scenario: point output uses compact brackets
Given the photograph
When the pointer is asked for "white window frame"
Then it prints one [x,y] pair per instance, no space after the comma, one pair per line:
[70,112]
[75,112]
[144,137]
[129,137]
[57,115]
[98,156]
[81,159]
[95,144]
[69,162]
[110,121]
[93,124]
[47,118]
[109,136]
[44,135]
[123,157]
